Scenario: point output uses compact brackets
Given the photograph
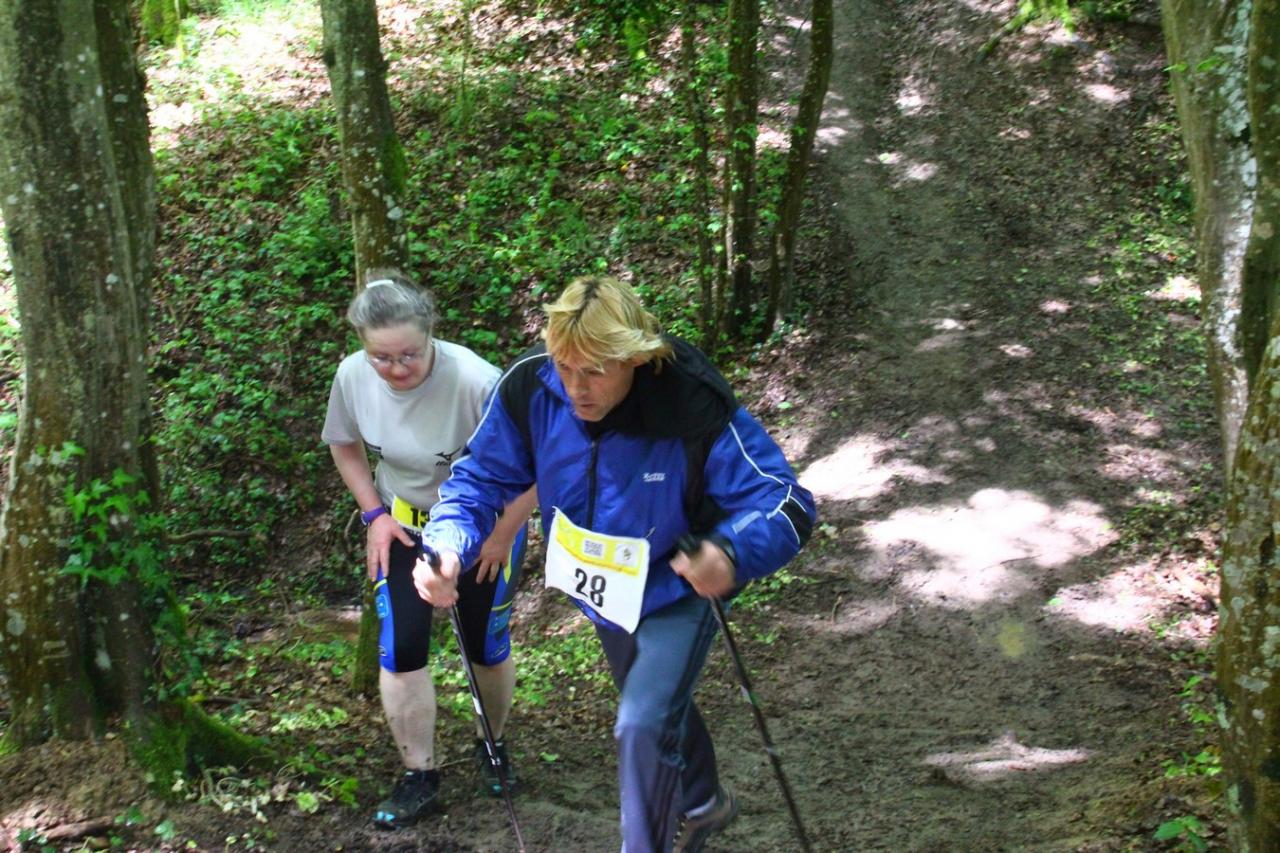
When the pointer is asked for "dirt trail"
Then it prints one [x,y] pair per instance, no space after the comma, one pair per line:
[975,668]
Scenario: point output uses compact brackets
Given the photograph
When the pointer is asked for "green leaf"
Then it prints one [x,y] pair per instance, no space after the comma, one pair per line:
[308,802]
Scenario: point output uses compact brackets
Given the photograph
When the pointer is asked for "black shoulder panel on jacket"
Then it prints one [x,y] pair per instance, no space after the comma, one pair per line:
[687,397]
[517,386]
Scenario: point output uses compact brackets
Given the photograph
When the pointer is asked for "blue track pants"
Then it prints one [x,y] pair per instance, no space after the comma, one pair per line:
[666,762]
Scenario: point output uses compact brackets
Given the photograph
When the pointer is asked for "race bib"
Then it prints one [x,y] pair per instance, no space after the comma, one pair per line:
[606,573]
[409,515]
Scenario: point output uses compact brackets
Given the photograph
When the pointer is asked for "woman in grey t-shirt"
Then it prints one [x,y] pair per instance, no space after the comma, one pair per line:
[412,402]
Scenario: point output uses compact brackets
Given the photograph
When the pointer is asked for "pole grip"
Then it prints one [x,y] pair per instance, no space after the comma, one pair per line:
[432,556]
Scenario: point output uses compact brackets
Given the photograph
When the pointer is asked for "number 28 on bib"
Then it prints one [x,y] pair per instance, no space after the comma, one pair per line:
[606,573]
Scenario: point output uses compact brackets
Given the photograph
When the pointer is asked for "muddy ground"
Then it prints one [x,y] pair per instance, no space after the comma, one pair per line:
[985,643]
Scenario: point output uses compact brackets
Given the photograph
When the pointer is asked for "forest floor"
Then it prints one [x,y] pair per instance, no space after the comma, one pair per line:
[993,639]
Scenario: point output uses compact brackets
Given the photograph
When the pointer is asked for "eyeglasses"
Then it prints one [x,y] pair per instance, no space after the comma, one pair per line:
[382,361]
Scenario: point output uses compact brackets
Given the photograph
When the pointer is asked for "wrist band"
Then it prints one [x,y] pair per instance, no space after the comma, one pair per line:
[370,515]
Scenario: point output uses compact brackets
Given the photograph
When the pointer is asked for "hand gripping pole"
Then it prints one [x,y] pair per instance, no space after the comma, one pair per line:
[490,744]
[691,545]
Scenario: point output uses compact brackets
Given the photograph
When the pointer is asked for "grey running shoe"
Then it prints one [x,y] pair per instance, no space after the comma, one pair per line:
[694,831]
[490,782]
[415,795]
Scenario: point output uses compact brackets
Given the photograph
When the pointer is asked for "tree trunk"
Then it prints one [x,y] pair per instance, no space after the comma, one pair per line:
[77,192]
[373,161]
[1207,41]
[1261,273]
[808,114]
[741,110]
[162,20]
[701,168]
[1249,623]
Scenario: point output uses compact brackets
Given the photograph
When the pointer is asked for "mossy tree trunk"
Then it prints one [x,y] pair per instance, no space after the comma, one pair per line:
[162,19]
[77,193]
[373,161]
[1207,45]
[1261,272]
[1249,623]
[742,111]
[803,132]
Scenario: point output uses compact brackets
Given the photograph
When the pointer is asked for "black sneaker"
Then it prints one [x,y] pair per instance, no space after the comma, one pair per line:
[490,782]
[694,831]
[416,795]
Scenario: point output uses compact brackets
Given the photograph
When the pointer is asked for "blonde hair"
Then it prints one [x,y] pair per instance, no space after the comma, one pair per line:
[600,319]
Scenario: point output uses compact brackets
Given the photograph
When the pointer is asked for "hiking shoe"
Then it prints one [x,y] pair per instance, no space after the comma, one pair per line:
[490,782]
[694,831]
[415,795]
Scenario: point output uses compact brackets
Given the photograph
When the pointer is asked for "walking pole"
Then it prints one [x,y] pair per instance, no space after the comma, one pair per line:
[690,546]
[490,745]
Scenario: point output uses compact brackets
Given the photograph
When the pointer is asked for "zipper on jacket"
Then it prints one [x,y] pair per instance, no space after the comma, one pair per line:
[591,484]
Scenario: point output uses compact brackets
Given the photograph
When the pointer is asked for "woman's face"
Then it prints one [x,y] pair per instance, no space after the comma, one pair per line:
[401,354]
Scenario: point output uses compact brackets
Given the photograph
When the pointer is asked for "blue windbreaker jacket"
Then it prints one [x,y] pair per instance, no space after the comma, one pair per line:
[630,475]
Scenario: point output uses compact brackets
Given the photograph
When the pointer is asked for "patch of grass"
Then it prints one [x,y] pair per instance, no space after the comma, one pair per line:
[761,592]
[560,666]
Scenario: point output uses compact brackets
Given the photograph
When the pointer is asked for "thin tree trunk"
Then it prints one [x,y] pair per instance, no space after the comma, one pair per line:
[701,168]
[803,132]
[374,166]
[373,161]
[742,111]
[1207,42]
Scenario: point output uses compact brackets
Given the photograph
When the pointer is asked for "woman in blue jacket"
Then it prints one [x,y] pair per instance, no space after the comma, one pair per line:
[633,439]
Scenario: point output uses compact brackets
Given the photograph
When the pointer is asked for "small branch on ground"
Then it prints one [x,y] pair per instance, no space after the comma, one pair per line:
[210,533]
[71,831]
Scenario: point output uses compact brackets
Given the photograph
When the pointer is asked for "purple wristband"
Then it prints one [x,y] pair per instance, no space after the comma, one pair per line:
[368,517]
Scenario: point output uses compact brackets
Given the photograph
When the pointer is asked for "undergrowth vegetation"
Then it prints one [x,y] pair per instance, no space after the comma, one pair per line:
[517,181]
[524,170]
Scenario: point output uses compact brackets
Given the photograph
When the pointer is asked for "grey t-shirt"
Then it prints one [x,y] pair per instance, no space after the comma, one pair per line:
[414,434]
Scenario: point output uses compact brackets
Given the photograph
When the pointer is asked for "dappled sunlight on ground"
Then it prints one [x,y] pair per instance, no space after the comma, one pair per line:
[1002,758]
[990,548]
[1125,462]
[772,139]
[905,169]
[1106,94]
[941,341]
[1178,288]
[230,58]
[837,123]
[861,468]
[1119,601]
[913,97]
[853,618]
